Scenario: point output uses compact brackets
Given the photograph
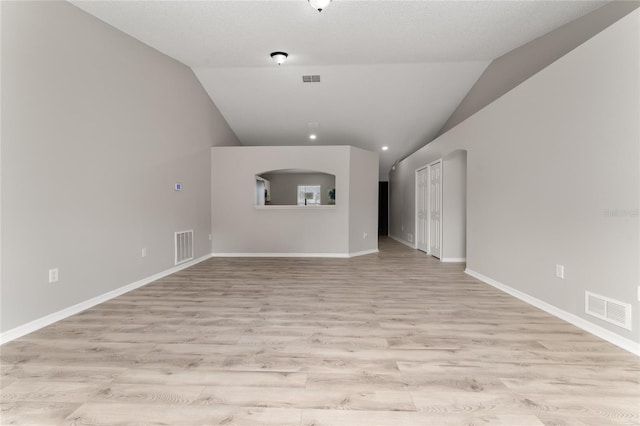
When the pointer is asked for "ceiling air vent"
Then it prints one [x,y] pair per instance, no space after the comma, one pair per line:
[311,79]
[613,311]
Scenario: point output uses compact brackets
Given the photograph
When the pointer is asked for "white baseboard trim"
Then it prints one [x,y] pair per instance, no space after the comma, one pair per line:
[596,330]
[340,255]
[454,259]
[39,323]
[401,241]
[328,255]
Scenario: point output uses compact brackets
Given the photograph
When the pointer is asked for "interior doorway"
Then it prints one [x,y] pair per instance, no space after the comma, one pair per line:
[441,207]
[383,208]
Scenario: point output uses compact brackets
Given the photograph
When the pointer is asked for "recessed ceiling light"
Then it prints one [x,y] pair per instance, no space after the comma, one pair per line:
[319,4]
[312,137]
[384,148]
[279,57]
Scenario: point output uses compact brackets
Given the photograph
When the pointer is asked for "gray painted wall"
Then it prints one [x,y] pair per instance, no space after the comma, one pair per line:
[96,129]
[511,69]
[454,184]
[242,228]
[284,186]
[363,200]
[553,177]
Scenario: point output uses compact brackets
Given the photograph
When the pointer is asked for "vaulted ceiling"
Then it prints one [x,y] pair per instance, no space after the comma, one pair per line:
[391,72]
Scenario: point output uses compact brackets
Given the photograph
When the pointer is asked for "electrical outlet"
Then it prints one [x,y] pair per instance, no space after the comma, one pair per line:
[365,235]
[209,237]
[53,275]
[143,252]
[639,293]
[410,237]
[560,271]
[402,227]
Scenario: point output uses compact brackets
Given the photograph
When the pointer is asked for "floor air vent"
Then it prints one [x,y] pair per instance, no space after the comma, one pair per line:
[613,311]
[184,246]
[311,79]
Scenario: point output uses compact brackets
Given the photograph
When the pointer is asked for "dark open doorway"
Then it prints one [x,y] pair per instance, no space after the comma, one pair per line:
[383,208]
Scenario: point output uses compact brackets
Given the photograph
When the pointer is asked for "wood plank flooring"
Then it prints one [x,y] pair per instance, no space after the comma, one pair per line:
[395,338]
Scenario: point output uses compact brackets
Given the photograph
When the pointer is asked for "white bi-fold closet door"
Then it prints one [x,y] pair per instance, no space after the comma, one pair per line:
[429,209]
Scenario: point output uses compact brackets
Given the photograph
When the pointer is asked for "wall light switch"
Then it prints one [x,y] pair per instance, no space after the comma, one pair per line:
[365,235]
[144,252]
[560,271]
[178,186]
[209,237]
[53,275]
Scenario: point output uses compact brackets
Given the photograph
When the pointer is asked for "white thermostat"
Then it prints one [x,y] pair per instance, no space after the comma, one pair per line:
[178,186]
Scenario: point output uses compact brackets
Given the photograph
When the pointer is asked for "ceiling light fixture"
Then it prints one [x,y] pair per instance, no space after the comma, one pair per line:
[279,57]
[312,137]
[384,148]
[319,5]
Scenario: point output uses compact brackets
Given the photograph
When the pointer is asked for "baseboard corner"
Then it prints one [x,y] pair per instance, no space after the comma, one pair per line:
[364,252]
[401,241]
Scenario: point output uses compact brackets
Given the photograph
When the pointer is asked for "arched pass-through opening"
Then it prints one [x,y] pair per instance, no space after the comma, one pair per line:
[295,187]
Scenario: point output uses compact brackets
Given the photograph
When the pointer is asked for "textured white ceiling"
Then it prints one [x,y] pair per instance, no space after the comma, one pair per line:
[392,71]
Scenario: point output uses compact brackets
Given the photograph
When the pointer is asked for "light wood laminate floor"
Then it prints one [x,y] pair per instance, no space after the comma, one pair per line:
[395,338]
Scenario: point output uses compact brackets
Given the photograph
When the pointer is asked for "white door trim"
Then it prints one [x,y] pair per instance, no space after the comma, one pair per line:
[416,225]
[439,160]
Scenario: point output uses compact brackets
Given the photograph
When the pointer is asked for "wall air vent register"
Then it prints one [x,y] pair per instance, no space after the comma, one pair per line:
[607,309]
[183,246]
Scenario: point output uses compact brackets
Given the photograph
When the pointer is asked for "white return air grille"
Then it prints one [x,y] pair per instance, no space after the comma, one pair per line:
[184,246]
[311,78]
[613,311]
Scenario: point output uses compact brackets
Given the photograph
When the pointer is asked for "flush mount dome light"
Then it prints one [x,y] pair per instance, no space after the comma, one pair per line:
[384,148]
[312,136]
[319,5]
[279,57]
